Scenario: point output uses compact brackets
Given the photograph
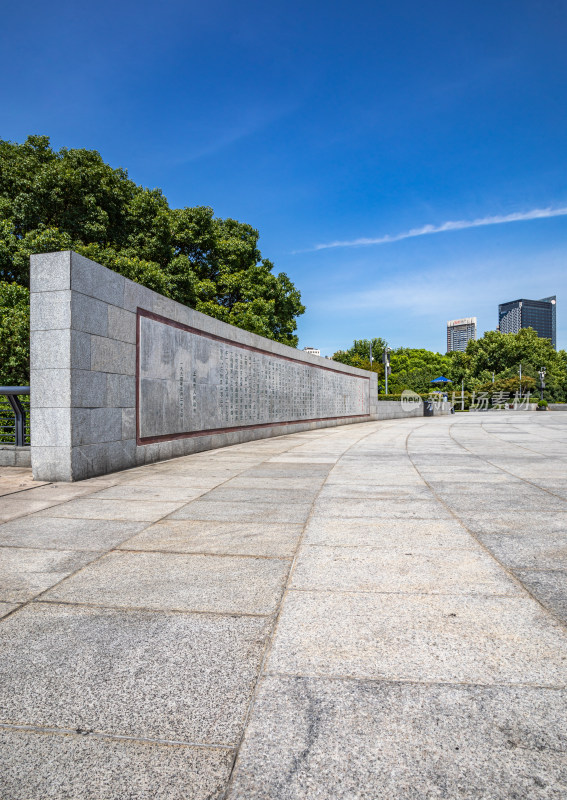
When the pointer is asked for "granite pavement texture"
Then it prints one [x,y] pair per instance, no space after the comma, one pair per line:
[363,612]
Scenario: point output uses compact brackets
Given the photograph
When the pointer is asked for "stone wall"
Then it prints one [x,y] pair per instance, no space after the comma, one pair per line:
[122,376]
[12,456]
[393,409]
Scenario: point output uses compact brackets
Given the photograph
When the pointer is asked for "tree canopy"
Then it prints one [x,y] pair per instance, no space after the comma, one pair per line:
[73,200]
[490,363]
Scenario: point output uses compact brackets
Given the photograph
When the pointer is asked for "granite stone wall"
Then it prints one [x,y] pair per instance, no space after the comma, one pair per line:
[122,376]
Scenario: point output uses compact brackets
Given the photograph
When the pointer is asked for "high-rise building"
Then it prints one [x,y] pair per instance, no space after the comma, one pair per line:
[459,332]
[313,351]
[537,314]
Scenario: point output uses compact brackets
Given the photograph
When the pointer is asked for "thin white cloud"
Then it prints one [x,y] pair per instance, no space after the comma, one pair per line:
[457,225]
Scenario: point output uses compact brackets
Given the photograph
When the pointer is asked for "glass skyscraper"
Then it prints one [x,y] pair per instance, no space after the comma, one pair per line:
[537,314]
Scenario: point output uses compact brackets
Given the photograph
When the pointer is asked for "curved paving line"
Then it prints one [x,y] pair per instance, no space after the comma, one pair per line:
[521,446]
[456,516]
[503,469]
[271,635]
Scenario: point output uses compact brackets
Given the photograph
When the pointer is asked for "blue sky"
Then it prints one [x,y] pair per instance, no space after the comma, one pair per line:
[328,122]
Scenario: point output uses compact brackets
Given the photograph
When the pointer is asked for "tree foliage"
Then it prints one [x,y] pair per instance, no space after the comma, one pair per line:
[491,363]
[72,200]
[14,334]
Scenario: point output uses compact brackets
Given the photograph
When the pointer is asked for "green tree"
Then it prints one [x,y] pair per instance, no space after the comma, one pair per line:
[14,334]
[500,355]
[73,200]
[359,355]
[495,355]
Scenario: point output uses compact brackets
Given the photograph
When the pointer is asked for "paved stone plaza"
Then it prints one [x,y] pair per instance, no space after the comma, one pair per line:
[363,612]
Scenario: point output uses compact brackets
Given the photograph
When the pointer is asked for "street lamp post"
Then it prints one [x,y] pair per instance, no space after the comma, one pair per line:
[542,372]
[386,368]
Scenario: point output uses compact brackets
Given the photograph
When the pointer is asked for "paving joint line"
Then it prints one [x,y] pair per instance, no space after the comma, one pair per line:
[271,635]
[454,514]
[113,736]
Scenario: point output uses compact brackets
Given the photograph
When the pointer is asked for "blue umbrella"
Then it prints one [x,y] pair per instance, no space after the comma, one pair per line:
[441,379]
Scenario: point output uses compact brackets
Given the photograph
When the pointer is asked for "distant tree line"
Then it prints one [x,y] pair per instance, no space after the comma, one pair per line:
[72,200]
[489,364]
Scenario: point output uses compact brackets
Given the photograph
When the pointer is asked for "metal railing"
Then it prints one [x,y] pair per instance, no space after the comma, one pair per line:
[13,416]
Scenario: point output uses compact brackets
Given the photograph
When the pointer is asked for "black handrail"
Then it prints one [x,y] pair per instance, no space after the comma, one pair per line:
[12,392]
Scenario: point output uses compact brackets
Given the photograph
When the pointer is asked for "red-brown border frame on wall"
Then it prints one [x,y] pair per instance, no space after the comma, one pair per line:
[141,312]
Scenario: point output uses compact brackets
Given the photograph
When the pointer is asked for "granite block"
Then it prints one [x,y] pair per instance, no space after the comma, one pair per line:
[51,463]
[498,496]
[94,280]
[109,355]
[121,325]
[179,582]
[50,271]
[273,495]
[88,388]
[137,296]
[89,315]
[51,427]
[120,391]
[95,425]
[138,491]
[80,348]
[128,426]
[51,350]
[50,310]
[50,388]
[514,522]
[400,508]
[179,677]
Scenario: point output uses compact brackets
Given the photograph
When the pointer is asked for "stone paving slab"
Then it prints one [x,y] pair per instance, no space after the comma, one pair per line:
[25,573]
[419,637]
[209,536]
[229,584]
[383,569]
[312,591]
[126,510]
[295,513]
[176,677]
[14,505]
[550,588]
[499,496]
[274,496]
[514,522]
[273,482]
[377,741]
[5,608]
[58,533]
[542,550]
[93,767]
[402,534]
[400,508]
[159,493]
[383,493]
